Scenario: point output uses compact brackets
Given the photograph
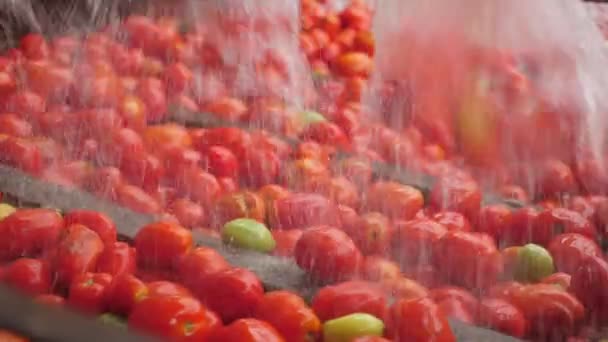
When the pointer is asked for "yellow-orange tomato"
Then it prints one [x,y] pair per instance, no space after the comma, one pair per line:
[167,135]
[352,64]
[227,108]
[364,42]
[238,205]
[133,111]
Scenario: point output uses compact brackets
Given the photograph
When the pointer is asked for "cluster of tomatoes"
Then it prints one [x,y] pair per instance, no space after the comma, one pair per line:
[94,112]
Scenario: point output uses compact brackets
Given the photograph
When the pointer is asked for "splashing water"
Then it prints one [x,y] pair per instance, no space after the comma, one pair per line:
[502,82]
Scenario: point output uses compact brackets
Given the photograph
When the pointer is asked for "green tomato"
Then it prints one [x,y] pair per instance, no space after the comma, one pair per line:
[249,234]
[6,210]
[533,263]
[309,117]
[349,327]
[110,319]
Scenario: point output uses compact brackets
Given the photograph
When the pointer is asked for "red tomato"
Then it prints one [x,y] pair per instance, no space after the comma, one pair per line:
[28,232]
[555,177]
[340,190]
[568,221]
[568,250]
[395,200]
[247,330]
[303,210]
[136,199]
[104,181]
[502,316]
[359,171]
[468,259]
[34,46]
[117,259]
[290,315]
[456,310]
[494,220]
[451,292]
[178,78]
[559,279]
[328,254]
[177,158]
[221,162]
[143,170]
[174,318]
[188,213]
[259,167]
[325,133]
[414,240]
[123,293]
[456,194]
[513,192]
[96,221]
[350,297]
[87,292]
[549,309]
[192,267]
[227,108]
[403,287]
[286,241]
[233,293]
[377,268]
[160,244]
[133,111]
[11,124]
[529,225]
[419,319]
[76,253]
[232,138]
[165,288]
[50,299]
[30,276]
[453,221]
[152,92]
[589,285]
[21,154]
[198,185]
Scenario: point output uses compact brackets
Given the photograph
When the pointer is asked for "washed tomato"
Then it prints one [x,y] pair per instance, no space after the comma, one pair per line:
[188,213]
[152,92]
[559,279]
[290,315]
[350,297]
[453,220]
[377,268]
[96,221]
[116,259]
[395,200]
[303,210]
[243,204]
[50,299]
[372,233]
[143,170]
[456,310]
[502,316]
[104,181]
[28,232]
[468,259]
[87,292]
[227,108]
[353,64]
[494,220]
[174,318]
[247,330]
[160,244]
[259,167]
[555,177]
[21,154]
[194,266]
[328,254]
[123,293]
[221,162]
[460,294]
[425,322]
[569,249]
[11,124]
[164,288]
[233,293]
[77,252]
[198,185]
[34,46]
[403,287]
[414,240]
[569,221]
[30,276]
[286,241]
[340,190]
[166,135]
[136,199]
[456,194]
[589,285]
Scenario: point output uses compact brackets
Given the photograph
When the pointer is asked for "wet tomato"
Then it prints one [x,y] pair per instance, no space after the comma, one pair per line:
[453,221]
[77,252]
[28,232]
[588,283]
[568,250]
[395,200]
[30,276]
[425,321]
[96,221]
[123,293]
[192,267]
[303,210]
[116,259]
[502,316]
[243,204]
[164,288]
[350,297]
[160,244]
[247,330]
[286,241]
[190,214]
[290,315]
[87,292]
[377,268]
[414,240]
[456,194]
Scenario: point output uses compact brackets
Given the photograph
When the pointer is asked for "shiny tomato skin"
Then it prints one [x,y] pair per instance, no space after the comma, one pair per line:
[160,244]
[350,297]
[456,310]
[174,318]
[303,210]
[372,233]
[152,93]
[28,232]
[569,221]
[419,319]
[568,250]
[77,252]
[414,240]
[116,259]
[290,315]
[376,268]
[502,316]
[395,200]
[192,267]
[328,254]
[21,154]
[123,293]
[452,292]
[11,124]
[221,162]
[31,276]
[529,225]
[233,293]
[468,259]
[494,220]
[96,221]
[136,199]
[143,170]
[198,185]
[34,46]
[165,288]
[87,292]
[239,205]
[456,194]
[247,330]
[588,283]
[453,221]
[286,241]
[259,167]
[188,213]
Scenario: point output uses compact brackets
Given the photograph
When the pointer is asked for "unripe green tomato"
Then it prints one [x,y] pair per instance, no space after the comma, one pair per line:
[249,234]
[533,263]
[309,117]
[6,210]
[349,327]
